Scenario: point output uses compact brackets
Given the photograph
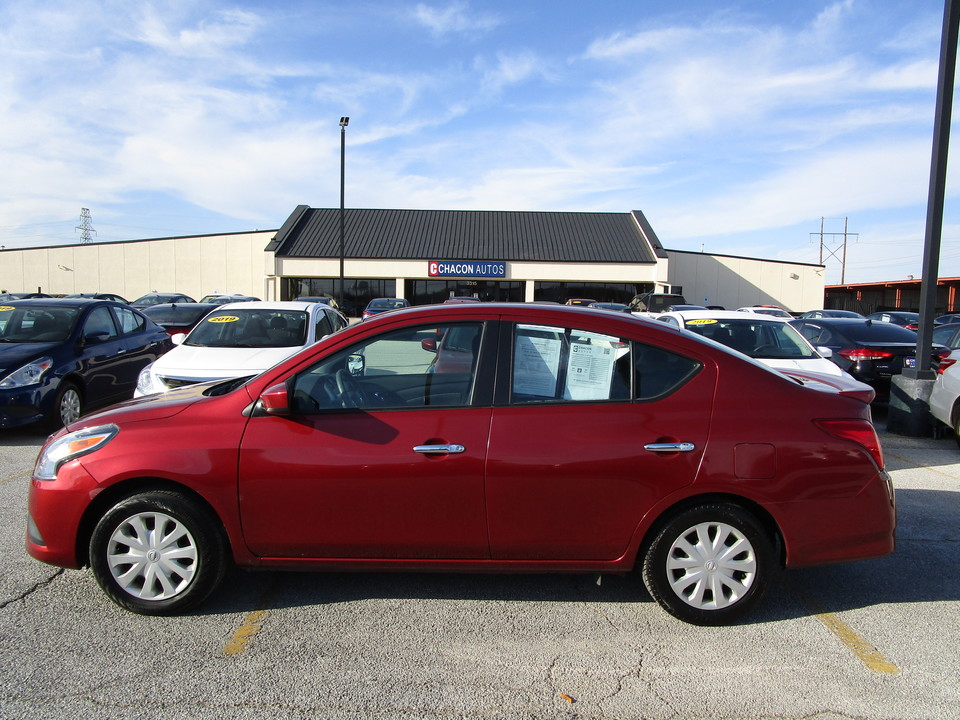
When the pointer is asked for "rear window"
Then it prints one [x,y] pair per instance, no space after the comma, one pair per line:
[878,332]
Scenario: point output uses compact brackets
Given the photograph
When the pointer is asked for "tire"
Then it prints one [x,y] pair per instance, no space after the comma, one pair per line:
[709,565]
[956,430]
[67,407]
[158,553]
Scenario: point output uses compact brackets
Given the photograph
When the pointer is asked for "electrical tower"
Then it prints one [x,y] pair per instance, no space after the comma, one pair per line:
[832,236]
[85,227]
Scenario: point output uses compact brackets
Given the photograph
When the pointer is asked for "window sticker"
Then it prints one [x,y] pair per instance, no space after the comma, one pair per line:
[702,321]
[536,365]
[223,319]
[590,366]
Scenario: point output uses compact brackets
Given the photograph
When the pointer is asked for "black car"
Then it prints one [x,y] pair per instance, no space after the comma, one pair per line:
[948,319]
[60,357]
[101,296]
[903,318]
[873,352]
[158,298]
[178,317]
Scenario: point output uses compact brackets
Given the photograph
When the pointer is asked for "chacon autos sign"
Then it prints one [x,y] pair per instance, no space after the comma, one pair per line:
[466,268]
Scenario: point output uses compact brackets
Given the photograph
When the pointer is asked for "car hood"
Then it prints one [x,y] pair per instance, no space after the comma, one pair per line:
[15,355]
[212,362]
[149,407]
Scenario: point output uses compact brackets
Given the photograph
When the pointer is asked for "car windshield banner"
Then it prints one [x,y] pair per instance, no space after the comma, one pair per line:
[466,268]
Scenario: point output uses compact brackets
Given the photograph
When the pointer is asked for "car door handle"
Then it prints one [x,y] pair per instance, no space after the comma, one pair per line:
[451,449]
[671,447]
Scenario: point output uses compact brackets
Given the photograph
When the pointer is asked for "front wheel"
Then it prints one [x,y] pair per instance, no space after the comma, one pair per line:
[67,407]
[157,553]
[709,565]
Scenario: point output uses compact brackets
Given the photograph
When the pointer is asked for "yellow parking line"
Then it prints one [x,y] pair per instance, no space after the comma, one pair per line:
[864,650]
[16,477]
[252,623]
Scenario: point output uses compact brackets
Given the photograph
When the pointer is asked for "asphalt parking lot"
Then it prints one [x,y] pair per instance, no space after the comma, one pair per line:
[876,639]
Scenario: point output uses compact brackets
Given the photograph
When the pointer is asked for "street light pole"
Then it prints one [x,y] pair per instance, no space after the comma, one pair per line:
[344,121]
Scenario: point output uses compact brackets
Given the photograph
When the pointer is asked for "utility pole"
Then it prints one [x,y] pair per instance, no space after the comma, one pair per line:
[843,245]
[85,227]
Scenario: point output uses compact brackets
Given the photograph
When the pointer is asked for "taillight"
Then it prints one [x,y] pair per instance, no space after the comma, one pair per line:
[857,354]
[861,432]
[912,326]
[945,362]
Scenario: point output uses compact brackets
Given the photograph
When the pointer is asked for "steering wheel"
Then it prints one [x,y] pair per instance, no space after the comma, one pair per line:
[351,394]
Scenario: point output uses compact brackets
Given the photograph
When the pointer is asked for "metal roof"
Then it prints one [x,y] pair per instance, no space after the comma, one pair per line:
[590,237]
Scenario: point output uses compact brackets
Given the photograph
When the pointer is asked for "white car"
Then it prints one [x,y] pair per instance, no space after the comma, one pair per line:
[766,338]
[944,405]
[238,340]
[767,310]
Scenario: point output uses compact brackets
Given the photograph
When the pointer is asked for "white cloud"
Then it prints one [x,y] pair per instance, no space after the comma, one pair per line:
[454,18]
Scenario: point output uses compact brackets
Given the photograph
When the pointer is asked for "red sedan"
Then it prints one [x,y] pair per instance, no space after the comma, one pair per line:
[570,440]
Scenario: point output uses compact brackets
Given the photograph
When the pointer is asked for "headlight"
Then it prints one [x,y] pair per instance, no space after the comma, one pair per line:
[70,446]
[145,383]
[29,374]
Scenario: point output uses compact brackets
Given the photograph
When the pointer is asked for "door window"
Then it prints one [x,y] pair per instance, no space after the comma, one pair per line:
[415,367]
[100,323]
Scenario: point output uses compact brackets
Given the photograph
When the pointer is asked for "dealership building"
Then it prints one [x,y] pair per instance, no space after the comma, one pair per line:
[425,256]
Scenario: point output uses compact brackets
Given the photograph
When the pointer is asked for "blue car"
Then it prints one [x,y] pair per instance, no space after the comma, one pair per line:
[61,357]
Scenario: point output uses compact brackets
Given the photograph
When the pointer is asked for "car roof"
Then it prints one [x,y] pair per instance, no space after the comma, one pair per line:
[62,302]
[722,315]
[270,305]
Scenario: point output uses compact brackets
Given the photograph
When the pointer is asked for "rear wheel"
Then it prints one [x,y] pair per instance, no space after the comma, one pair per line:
[709,565]
[157,553]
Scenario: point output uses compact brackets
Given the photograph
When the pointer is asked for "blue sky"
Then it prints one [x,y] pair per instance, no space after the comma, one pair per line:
[734,126]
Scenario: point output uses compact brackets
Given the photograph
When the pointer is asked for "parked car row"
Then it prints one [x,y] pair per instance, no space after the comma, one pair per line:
[61,357]
[474,437]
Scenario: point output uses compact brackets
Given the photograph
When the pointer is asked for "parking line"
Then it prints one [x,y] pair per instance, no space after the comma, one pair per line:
[252,623]
[864,650]
[16,477]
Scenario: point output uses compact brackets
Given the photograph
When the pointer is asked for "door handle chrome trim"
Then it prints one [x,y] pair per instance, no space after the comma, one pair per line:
[451,449]
[670,447]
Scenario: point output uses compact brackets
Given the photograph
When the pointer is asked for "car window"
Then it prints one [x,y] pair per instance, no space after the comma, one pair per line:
[255,328]
[424,366]
[943,335]
[130,322]
[658,372]
[816,334]
[324,326]
[36,324]
[553,364]
[754,337]
[100,323]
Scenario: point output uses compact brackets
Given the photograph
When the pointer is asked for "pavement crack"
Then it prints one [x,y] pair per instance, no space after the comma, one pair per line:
[32,589]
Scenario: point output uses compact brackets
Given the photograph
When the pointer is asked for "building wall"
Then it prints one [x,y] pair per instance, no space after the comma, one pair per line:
[737,282]
[231,263]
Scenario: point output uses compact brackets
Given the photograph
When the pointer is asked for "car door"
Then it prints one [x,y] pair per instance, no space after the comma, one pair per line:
[139,346]
[103,358]
[381,457]
[589,433]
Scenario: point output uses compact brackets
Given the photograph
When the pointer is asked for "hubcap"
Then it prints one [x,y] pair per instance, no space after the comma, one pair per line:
[69,406]
[152,556]
[711,566]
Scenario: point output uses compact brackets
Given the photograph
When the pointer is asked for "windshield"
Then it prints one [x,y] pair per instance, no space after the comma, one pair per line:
[36,324]
[386,304]
[756,338]
[255,328]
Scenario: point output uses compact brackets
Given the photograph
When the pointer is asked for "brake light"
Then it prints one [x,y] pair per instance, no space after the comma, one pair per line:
[945,362]
[861,432]
[912,326]
[858,354]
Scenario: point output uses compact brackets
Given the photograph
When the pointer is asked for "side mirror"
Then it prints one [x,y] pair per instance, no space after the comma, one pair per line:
[178,338]
[97,336]
[275,400]
[430,345]
[825,351]
[356,364]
